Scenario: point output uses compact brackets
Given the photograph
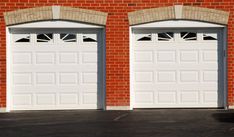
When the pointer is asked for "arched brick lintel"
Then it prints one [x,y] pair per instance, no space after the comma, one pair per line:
[178,12]
[55,13]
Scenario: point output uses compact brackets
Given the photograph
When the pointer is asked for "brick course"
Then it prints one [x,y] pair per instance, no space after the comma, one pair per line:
[117,38]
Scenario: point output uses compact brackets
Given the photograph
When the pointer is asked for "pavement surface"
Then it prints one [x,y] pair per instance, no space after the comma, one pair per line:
[137,123]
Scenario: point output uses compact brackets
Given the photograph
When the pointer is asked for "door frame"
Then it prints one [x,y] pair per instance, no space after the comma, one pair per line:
[58,25]
[184,24]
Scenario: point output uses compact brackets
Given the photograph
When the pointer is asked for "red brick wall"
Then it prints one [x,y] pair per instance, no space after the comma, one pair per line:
[117,39]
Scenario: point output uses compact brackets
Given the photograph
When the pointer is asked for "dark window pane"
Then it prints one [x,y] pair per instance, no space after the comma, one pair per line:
[145,38]
[44,37]
[206,37]
[87,39]
[68,37]
[27,39]
[167,36]
[188,36]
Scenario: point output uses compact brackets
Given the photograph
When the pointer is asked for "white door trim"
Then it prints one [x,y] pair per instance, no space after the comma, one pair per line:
[54,24]
[185,24]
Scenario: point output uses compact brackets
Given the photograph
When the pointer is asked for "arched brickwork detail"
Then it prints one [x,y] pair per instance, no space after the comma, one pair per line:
[55,13]
[178,12]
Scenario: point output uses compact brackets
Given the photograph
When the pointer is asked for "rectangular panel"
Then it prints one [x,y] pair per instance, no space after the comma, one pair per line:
[210,96]
[45,78]
[166,96]
[89,78]
[143,56]
[166,56]
[23,78]
[210,56]
[22,99]
[144,97]
[166,76]
[89,98]
[45,58]
[22,58]
[188,56]
[45,99]
[68,78]
[68,98]
[68,58]
[144,76]
[189,96]
[89,57]
[189,76]
[210,76]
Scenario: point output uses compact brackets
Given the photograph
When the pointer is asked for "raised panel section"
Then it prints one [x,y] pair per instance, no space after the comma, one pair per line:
[22,99]
[144,76]
[68,98]
[165,96]
[68,78]
[210,96]
[144,97]
[189,76]
[189,56]
[143,56]
[210,76]
[209,56]
[89,57]
[89,98]
[189,96]
[89,78]
[45,78]
[68,58]
[22,78]
[45,99]
[166,56]
[45,58]
[22,58]
[166,76]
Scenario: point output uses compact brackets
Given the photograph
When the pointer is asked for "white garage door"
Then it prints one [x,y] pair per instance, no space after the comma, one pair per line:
[55,69]
[175,69]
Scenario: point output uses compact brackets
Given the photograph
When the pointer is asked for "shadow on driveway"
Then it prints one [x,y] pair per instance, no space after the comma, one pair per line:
[224,117]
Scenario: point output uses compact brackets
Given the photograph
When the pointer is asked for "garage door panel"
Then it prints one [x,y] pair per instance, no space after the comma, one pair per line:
[68,58]
[45,78]
[45,57]
[167,97]
[22,58]
[189,56]
[22,78]
[179,72]
[167,56]
[189,96]
[166,76]
[144,77]
[55,74]
[45,99]
[144,97]
[68,98]
[23,99]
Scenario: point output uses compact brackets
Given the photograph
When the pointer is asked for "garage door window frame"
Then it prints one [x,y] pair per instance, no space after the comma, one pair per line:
[185,25]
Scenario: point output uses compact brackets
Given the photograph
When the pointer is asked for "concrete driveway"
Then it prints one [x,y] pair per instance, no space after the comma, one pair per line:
[137,123]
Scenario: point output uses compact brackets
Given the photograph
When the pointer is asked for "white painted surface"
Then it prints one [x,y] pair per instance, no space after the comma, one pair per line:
[55,24]
[175,73]
[55,74]
[178,24]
